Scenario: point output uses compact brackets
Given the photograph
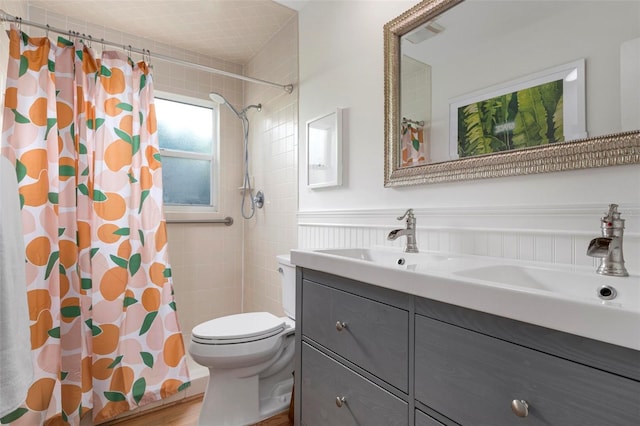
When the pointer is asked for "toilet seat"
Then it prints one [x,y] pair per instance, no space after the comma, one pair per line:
[239,328]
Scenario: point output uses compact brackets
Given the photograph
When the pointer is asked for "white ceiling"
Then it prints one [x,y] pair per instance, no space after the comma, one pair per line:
[232,30]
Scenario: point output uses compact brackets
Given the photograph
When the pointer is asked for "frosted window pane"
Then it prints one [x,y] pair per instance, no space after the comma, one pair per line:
[186,181]
[184,127]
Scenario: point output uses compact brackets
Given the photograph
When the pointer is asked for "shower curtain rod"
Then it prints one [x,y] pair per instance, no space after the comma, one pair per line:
[5,17]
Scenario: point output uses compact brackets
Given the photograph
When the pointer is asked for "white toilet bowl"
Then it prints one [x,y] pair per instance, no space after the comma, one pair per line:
[250,362]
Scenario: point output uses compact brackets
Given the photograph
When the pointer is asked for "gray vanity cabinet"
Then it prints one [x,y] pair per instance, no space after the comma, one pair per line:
[474,378]
[368,333]
[335,395]
[423,420]
[367,355]
[352,354]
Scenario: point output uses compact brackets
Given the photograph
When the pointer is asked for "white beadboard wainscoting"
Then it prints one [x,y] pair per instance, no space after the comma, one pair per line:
[551,234]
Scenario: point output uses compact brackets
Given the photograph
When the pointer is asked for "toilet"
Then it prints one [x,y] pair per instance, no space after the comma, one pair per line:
[250,360]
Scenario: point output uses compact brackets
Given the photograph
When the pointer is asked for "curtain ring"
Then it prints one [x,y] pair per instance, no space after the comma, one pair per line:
[19,19]
[47,33]
[90,40]
[102,43]
[149,58]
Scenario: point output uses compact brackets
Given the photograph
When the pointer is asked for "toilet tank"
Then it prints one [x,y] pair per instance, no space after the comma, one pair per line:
[288,281]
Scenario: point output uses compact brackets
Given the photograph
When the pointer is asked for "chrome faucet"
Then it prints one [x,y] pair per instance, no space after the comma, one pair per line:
[409,231]
[609,247]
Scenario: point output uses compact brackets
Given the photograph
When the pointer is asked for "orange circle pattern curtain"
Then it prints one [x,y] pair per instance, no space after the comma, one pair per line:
[81,132]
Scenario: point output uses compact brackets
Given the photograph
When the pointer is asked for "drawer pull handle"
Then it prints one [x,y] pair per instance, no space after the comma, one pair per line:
[520,407]
[341,325]
[340,401]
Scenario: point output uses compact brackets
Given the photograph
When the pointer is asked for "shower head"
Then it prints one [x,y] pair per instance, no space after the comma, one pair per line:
[219,99]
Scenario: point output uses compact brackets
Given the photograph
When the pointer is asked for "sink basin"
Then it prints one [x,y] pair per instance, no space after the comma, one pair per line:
[390,257]
[565,298]
[571,284]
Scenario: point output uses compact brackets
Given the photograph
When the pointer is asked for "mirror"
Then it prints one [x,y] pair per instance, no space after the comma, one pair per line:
[467,84]
[324,150]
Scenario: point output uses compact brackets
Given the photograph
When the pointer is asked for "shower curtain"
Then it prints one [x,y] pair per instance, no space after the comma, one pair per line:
[413,146]
[81,132]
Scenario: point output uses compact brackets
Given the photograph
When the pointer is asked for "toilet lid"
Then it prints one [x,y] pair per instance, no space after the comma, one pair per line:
[240,326]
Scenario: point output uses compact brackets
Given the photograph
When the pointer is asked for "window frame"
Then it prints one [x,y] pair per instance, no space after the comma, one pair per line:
[182,213]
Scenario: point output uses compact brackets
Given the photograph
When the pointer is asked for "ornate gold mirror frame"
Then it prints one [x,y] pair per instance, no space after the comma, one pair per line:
[611,150]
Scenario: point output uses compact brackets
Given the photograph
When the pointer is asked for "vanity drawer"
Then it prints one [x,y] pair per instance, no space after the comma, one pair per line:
[376,335]
[473,379]
[324,380]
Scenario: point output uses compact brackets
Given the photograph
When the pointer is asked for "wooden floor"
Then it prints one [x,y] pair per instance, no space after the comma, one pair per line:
[185,414]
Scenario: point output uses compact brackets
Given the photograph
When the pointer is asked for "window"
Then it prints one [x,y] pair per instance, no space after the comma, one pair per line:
[188,138]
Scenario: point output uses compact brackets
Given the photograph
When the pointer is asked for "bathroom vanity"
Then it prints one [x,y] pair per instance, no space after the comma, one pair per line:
[372,355]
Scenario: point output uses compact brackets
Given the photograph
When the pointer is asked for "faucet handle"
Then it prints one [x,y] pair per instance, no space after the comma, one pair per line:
[613,213]
[408,214]
[612,220]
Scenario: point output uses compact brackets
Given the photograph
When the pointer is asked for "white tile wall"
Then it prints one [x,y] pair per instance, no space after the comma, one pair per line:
[273,163]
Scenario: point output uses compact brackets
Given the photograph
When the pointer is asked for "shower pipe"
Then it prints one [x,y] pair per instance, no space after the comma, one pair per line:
[5,17]
[246,185]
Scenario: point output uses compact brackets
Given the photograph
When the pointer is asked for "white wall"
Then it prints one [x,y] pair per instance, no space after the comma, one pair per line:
[341,64]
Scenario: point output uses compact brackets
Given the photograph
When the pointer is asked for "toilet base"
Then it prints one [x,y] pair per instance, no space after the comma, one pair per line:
[233,401]
[277,400]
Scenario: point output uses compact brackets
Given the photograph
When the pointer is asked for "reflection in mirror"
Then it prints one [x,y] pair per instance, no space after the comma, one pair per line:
[542,108]
[415,96]
[502,86]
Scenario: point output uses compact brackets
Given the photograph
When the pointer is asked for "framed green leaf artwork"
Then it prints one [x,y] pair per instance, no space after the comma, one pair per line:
[542,108]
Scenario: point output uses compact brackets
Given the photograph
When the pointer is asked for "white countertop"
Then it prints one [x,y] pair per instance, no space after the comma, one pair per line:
[559,297]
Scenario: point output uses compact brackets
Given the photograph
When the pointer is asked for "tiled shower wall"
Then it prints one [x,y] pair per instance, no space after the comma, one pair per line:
[273,163]
[550,234]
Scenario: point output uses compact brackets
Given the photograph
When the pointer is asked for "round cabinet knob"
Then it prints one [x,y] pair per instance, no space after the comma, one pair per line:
[520,407]
[340,401]
[341,325]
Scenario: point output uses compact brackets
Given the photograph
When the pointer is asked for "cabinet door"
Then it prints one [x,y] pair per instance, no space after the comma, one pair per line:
[376,335]
[473,379]
[424,420]
[325,380]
